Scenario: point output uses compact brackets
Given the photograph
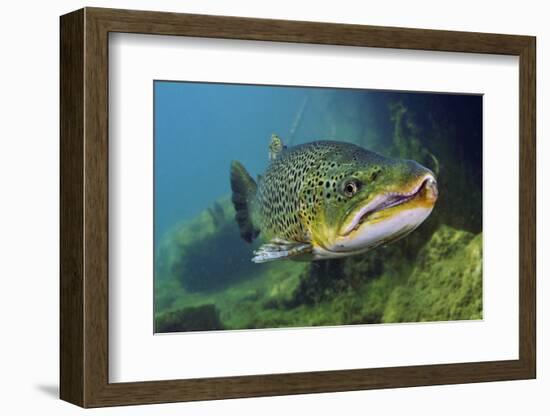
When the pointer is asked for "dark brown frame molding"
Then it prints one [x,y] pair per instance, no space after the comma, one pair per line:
[84,208]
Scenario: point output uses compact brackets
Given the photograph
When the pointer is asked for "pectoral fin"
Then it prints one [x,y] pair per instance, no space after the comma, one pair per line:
[280,250]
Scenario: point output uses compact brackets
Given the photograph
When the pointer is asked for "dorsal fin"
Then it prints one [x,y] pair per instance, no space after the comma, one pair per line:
[276,147]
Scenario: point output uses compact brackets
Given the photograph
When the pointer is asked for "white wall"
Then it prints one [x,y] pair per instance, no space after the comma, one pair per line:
[29,206]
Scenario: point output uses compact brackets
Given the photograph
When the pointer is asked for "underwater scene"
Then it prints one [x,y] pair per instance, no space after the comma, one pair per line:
[282,206]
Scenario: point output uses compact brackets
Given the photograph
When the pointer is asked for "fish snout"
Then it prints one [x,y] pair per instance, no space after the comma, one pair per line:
[430,188]
[426,186]
[427,189]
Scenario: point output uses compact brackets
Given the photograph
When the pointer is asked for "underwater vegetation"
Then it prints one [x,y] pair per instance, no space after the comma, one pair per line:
[207,253]
[451,263]
[205,280]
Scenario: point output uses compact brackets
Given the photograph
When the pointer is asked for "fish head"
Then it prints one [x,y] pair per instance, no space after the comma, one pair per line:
[370,200]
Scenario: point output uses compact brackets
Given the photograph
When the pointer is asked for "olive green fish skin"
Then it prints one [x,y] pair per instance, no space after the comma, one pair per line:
[303,188]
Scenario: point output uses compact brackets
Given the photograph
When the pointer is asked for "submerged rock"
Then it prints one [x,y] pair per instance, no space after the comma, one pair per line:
[200,318]
[446,281]
[207,252]
[321,281]
[435,277]
[325,280]
[438,279]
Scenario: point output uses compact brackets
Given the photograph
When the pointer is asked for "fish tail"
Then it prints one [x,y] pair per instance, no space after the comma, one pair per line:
[244,190]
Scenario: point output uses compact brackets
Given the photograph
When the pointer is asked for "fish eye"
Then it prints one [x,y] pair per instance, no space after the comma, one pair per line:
[351,188]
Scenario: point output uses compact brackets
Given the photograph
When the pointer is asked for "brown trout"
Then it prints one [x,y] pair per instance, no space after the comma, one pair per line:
[328,199]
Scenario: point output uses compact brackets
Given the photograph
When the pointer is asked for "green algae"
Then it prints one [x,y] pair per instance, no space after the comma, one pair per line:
[199,318]
[445,284]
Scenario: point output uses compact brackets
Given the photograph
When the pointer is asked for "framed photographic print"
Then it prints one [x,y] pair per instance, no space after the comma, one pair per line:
[255,207]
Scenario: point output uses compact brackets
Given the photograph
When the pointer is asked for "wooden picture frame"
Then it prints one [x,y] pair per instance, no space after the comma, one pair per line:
[84,207]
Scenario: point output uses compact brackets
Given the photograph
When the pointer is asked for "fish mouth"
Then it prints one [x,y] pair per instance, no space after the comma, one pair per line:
[425,189]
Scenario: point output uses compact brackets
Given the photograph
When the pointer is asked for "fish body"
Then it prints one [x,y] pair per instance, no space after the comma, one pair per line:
[328,199]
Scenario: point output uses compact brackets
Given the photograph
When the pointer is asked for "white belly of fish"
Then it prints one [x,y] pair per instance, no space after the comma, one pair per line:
[370,235]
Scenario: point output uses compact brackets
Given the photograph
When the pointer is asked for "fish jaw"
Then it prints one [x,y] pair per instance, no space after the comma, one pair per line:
[383,219]
[371,235]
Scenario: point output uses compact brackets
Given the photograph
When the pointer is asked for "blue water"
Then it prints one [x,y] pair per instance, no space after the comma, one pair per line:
[200,128]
